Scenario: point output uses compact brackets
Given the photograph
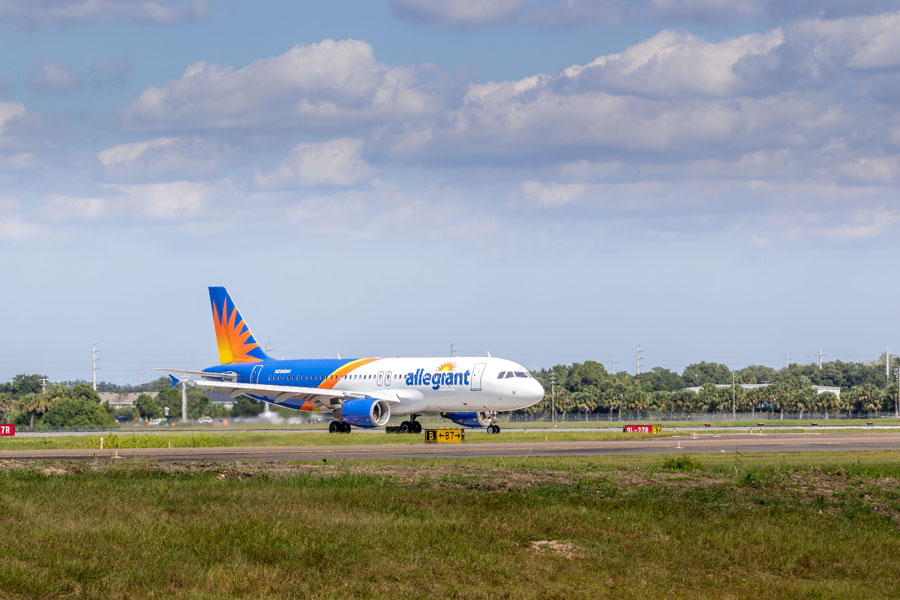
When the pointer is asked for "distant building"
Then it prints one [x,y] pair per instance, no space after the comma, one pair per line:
[120,400]
[820,389]
[219,397]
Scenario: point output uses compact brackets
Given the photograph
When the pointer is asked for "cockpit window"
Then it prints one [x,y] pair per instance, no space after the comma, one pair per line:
[501,375]
[521,374]
[510,374]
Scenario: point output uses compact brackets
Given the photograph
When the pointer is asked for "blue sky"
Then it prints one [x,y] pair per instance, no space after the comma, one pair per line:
[547,180]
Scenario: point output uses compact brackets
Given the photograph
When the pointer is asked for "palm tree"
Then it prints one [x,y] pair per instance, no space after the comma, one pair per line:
[34,404]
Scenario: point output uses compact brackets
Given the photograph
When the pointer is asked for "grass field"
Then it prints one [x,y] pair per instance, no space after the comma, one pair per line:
[756,526]
[215,439]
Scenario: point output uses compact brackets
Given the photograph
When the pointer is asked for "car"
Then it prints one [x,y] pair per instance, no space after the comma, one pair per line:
[205,420]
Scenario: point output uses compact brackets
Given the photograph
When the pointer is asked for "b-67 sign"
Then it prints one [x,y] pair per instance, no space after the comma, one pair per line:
[7,430]
[445,436]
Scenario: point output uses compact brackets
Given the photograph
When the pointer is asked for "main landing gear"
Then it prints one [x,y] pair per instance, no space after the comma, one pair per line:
[493,427]
[411,426]
[339,427]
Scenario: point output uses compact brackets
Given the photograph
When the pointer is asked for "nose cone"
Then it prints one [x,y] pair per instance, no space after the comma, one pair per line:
[533,391]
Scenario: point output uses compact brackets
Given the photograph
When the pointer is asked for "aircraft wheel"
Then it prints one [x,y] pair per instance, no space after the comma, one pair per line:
[334,427]
[345,427]
[404,426]
[416,427]
[496,429]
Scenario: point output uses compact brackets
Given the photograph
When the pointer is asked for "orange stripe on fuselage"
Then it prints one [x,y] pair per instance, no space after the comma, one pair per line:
[332,379]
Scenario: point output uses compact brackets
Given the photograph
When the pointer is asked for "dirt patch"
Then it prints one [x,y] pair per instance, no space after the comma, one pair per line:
[563,549]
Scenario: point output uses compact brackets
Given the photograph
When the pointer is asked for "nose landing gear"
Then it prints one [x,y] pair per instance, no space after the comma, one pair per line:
[493,427]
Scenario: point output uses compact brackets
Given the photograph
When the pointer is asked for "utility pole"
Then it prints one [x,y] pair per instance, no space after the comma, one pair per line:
[733,402]
[43,385]
[897,404]
[637,360]
[141,376]
[613,372]
[452,345]
[94,364]
[820,359]
[887,363]
[553,398]
[184,401]
[787,360]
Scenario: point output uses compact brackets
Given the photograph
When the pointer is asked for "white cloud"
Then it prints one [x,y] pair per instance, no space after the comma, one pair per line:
[551,195]
[673,63]
[62,12]
[577,13]
[66,208]
[165,157]
[336,162]
[169,200]
[9,111]
[459,12]
[388,212]
[48,76]
[15,228]
[331,85]
[158,201]
[868,169]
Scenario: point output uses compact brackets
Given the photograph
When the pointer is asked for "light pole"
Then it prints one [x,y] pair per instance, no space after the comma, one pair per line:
[733,402]
[897,402]
[553,399]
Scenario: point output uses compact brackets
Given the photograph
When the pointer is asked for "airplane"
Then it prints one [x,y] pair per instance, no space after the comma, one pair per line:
[363,392]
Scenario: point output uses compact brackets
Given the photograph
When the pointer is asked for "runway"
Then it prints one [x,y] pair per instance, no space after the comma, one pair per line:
[706,444]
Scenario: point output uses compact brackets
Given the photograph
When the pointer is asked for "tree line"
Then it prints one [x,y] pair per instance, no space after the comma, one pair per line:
[580,388]
[31,401]
[587,388]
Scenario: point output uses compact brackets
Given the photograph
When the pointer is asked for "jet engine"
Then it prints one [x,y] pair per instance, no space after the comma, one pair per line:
[468,419]
[365,412]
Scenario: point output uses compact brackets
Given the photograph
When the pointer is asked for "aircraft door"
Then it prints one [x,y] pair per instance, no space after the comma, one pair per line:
[477,373]
[380,380]
[387,378]
[254,374]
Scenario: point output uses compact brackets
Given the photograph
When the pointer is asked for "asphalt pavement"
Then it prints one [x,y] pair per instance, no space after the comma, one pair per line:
[703,444]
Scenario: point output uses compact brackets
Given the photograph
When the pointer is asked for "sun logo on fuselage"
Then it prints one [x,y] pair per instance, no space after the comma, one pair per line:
[447,366]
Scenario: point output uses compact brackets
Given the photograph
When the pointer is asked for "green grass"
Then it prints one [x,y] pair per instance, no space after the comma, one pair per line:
[223,439]
[761,526]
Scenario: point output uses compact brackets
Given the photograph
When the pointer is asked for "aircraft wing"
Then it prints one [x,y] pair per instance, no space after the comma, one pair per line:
[229,375]
[306,398]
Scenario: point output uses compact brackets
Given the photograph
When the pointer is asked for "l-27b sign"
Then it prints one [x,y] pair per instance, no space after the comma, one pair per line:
[7,430]
[642,428]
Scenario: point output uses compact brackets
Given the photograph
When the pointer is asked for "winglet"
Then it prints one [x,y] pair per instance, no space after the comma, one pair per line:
[175,380]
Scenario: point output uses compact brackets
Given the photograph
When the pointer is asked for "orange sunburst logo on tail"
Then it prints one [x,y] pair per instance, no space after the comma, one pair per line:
[233,337]
[447,366]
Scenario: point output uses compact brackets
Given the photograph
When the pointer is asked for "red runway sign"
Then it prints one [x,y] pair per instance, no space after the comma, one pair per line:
[7,430]
[642,428]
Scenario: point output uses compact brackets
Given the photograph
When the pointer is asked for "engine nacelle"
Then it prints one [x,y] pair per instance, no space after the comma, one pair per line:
[365,412]
[468,419]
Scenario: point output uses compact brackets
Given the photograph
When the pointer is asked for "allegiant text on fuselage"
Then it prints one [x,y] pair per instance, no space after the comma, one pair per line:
[437,379]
